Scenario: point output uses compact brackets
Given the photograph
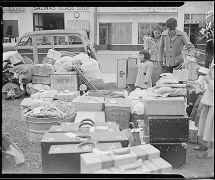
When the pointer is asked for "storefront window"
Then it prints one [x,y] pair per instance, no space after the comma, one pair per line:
[10,31]
[121,33]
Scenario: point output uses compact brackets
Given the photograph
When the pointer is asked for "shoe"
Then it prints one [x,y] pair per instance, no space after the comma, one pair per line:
[201,148]
[203,155]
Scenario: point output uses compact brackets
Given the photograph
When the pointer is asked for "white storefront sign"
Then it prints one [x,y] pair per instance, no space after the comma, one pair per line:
[166,9]
[44,9]
[141,9]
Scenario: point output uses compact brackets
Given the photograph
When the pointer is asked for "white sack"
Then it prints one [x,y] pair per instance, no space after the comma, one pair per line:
[91,70]
[137,93]
[137,107]
[81,57]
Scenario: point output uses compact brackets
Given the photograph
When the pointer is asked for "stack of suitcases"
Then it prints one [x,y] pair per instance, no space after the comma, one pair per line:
[98,142]
[169,128]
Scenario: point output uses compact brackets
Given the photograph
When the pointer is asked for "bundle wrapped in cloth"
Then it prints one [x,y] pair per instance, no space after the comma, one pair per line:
[168,85]
[62,110]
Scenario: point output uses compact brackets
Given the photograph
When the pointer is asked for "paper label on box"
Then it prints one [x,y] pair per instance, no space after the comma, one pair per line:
[92,129]
[37,110]
[70,134]
[102,127]
[113,101]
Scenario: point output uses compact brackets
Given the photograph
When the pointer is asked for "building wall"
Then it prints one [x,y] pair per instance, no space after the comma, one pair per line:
[25,20]
[199,7]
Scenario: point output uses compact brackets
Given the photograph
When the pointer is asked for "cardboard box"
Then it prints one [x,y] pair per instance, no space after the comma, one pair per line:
[152,166]
[41,80]
[62,81]
[42,70]
[91,162]
[52,54]
[15,58]
[96,116]
[118,110]
[88,103]
[67,96]
[165,106]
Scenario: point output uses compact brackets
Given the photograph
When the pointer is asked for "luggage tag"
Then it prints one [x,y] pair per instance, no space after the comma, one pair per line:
[71,135]
[37,110]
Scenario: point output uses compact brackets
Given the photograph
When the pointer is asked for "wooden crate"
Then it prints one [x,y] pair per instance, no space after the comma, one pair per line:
[118,110]
[64,81]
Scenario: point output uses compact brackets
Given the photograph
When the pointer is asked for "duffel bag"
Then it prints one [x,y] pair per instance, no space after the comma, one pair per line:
[21,74]
[12,90]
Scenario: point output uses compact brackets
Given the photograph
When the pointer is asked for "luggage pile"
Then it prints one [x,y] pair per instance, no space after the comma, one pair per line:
[17,72]
[58,71]
[98,133]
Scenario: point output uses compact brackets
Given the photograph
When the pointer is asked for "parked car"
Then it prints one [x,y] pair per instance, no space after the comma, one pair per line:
[35,45]
[8,47]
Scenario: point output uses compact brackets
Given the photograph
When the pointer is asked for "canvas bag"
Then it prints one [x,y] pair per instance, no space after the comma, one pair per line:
[12,153]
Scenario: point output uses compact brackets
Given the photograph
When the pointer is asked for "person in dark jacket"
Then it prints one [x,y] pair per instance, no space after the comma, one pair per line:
[172,42]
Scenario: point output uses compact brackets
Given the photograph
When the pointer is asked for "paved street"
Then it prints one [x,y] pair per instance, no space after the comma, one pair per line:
[107,60]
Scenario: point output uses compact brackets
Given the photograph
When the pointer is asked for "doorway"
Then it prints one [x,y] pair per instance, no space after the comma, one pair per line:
[103,36]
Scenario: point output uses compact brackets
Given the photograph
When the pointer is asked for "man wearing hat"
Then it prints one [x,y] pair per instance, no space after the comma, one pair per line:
[172,42]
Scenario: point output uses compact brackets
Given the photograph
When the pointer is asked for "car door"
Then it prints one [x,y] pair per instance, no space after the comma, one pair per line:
[25,47]
[69,42]
[43,44]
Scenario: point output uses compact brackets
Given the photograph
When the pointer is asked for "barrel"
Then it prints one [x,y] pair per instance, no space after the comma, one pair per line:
[38,126]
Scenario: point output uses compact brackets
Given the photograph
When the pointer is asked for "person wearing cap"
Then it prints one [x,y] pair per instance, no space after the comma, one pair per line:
[144,71]
[172,42]
[152,44]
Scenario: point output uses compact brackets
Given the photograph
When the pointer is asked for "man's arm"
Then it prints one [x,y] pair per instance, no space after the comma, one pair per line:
[186,41]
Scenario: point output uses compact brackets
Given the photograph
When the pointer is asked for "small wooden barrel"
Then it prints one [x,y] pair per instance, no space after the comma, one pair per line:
[38,126]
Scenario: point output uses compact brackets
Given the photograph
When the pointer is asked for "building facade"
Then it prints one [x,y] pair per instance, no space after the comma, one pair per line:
[20,20]
[109,28]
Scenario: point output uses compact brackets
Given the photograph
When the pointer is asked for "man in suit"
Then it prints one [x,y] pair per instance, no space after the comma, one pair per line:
[172,42]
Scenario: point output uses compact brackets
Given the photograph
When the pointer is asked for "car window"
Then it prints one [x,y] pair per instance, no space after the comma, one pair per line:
[25,41]
[61,40]
[43,40]
[75,39]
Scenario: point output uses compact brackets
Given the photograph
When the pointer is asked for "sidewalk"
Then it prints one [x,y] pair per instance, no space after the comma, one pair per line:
[109,77]
[109,52]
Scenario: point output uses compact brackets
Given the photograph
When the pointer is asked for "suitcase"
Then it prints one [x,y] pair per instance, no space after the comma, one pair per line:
[132,70]
[66,158]
[96,116]
[168,128]
[88,103]
[164,106]
[91,162]
[174,153]
[152,166]
[121,72]
[92,127]
[76,138]
[118,110]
